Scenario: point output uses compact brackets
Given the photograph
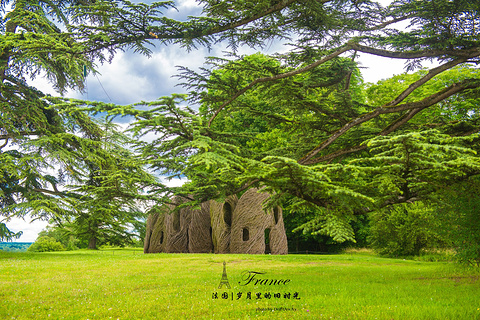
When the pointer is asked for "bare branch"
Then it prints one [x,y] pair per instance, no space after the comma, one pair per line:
[148,35]
[389,22]
[246,186]
[336,154]
[279,6]
[397,124]
[21,133]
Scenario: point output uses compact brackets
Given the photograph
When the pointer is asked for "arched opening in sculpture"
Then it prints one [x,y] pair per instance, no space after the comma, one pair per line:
[267,240]
[227,214]
[176,220]
[161,237]
[245,234]
[276,213]
[212,248]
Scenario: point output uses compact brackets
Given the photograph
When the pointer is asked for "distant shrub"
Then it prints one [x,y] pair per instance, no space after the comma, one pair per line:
[459,217]
[403,230]
[441,255]
[46,244]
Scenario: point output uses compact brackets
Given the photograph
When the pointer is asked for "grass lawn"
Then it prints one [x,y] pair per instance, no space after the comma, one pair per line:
[126,284]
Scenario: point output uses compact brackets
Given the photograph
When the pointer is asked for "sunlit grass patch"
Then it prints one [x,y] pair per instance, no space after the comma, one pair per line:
[126,284]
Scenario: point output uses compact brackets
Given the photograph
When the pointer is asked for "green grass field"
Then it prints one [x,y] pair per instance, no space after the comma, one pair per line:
[126,284]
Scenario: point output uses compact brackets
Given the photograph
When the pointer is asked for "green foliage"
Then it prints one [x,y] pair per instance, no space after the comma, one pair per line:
[304,231]
[298,124]
[55,161]
[108,193]
[46,244]
[62,235]
[403,229]
[409,166]
[436,24]
[7,235]
[93,171]
[34,137]
[456,115]
[459,216]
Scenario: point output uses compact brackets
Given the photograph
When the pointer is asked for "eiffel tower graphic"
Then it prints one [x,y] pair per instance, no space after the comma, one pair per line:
[224,280]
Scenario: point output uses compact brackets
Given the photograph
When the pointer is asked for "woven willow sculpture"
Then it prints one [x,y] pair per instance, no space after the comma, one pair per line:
[234,226]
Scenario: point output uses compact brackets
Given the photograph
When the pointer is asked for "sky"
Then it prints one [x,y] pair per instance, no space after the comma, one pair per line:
[131,78]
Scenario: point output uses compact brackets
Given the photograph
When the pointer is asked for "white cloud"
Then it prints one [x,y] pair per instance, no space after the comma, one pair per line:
[173,182]
[30,228]
[187,4]
[374,68]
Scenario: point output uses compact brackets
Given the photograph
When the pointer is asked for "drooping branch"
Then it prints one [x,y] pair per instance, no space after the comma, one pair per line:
[389,22]
[246,186]
[424,103]
[6,142]
[404,119]
[336,154]
[389,129]
[54,193]
[18,134]
[401,121]
[278,7]
[172,30]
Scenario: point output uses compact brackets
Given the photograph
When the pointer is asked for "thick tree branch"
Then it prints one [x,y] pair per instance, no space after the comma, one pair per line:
[192,33]
[21,133]
[465,53]
[389,22]
[389,129]
[336,154]
[431,73]
[427,102]
[246,186]
[6,142]
[399,122]
[54,193]
[278,7]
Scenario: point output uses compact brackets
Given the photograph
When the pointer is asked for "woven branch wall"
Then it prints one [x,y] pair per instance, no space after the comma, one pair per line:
[200,231]
[221,221]
[234,226]
[255,230]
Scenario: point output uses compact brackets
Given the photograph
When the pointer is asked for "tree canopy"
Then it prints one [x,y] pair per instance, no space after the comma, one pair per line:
[301,123]
[47,153]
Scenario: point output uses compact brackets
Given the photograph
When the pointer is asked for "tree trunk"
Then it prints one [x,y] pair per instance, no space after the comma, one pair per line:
[92,243]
